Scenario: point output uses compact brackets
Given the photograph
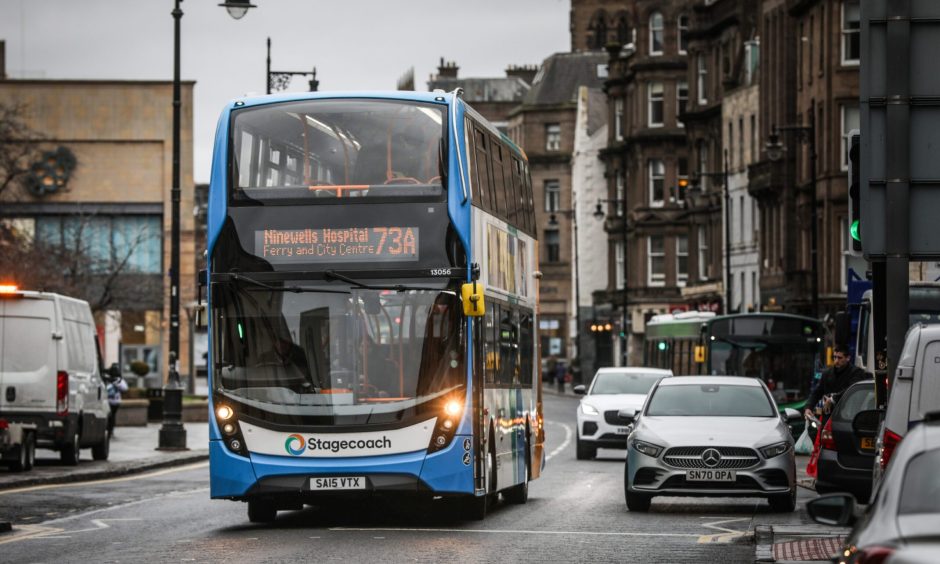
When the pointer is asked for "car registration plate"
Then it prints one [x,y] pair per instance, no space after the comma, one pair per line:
[622,430]
[326,483]
[868,443]
[710,476]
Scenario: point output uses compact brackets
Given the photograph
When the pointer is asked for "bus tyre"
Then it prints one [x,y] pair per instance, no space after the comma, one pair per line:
[475,507]
[519,494]
[101,450]
[71,452]
[261,511]
[785,503]
[585,451]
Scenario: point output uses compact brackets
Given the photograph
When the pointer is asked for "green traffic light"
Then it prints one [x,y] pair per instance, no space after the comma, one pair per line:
[661,345]
[854,231]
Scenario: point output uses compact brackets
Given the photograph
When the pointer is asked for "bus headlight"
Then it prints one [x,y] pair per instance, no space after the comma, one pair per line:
[231,433]
[453,408]
[224,412]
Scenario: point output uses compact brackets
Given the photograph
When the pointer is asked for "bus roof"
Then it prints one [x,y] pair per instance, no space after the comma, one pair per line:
[766,314]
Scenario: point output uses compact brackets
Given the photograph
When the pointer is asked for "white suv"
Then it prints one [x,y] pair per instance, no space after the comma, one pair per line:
[611,390]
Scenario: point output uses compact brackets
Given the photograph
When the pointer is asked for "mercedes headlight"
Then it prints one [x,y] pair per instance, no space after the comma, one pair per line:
[649,449]
[588,409]
[773,450]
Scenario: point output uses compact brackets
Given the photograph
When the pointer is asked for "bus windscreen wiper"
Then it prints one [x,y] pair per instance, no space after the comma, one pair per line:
[234,277]
[333,275]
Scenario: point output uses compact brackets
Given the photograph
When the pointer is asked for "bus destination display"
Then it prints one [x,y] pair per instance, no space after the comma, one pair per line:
[347,244]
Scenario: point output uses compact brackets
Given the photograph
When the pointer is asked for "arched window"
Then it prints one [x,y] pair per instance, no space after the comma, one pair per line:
[656,33]
[683,25]
[597,30]
[624,34]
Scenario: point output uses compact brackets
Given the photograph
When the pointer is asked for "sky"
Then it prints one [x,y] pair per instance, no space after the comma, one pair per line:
[354,44]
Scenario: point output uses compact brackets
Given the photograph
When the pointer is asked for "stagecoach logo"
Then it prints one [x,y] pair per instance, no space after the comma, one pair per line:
[711,457]
[294,445]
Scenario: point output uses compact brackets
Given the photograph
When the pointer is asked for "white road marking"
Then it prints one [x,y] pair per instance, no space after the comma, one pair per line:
[564,444]
[727,536]
[515,532]
[108,480]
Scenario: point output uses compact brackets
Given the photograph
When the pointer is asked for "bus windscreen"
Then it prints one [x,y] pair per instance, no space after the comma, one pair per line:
[322,150]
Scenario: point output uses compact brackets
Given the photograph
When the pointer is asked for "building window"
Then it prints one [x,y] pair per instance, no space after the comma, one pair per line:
[107,242]
[655,96]
[702,80]
[682,100]
[702,254]
[730,144]
[553,245]
[624,36]
[682,179]
[657,175]
[754,155]
[656,34]
[618,260]
[552,137]
[755,297]
[741,218]
[844,245]
[656,260]
[752,60]
[618,185]
[850,121]
[598,29]
[552,196]
[741,142]
[682,260]
[683,25]
[851,32]
[703,164]
[618,119]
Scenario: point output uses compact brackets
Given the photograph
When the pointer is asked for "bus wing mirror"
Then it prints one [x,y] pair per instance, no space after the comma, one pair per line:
[699,354]
[472,293]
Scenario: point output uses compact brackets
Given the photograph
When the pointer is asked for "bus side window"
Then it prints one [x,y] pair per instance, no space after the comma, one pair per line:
[481,175]
[530,204]
[490,328]
[499,179]
[526,343]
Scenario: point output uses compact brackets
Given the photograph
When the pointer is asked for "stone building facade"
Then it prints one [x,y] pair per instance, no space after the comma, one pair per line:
[120,133]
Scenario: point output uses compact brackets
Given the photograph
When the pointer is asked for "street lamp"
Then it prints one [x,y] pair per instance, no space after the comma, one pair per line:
[727,216]
[278,80]
[599,215]
[775,152]
[172,433]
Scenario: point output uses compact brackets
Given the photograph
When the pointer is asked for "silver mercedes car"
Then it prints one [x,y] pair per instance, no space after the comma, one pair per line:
[710,436]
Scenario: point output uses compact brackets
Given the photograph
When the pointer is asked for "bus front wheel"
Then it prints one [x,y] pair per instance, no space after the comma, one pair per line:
[261,511]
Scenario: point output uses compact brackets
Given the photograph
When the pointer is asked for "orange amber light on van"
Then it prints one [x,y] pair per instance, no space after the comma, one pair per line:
[8,288]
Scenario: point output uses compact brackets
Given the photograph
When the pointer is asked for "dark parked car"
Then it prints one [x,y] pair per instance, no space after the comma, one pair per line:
[847,444]
[904,514]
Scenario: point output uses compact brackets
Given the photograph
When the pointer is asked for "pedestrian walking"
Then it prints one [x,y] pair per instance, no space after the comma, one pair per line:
[115,387]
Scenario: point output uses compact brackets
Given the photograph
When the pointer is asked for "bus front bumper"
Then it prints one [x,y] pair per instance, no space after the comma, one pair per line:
[237,477]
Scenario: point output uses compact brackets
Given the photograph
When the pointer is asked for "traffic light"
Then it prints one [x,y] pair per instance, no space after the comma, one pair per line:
[855,199]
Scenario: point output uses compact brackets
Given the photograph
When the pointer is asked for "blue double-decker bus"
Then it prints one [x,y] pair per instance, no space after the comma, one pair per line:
[372,300]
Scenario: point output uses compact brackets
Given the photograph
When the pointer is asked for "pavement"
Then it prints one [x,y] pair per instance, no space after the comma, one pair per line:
[133,450]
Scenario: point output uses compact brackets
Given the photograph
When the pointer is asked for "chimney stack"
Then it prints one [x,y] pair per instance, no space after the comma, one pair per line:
[525,72]
[3,60]
[447,69]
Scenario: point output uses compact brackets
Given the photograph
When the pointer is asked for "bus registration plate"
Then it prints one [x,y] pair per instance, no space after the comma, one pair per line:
[710,476]
[337,483]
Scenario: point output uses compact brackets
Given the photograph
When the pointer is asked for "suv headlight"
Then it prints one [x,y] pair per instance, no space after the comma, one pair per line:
[649,449]
[588,409]
[773,450]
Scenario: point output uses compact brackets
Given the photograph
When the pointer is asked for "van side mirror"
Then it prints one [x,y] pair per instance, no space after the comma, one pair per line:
[472,294]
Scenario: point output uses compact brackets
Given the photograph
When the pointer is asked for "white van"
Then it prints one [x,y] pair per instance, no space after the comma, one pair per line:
[51,374]
[914,393]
